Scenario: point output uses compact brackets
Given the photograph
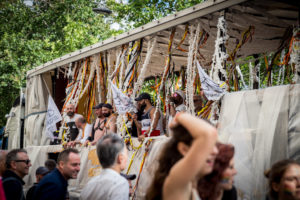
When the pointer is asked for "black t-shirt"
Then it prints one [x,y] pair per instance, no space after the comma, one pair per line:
[230,194]
[134,128]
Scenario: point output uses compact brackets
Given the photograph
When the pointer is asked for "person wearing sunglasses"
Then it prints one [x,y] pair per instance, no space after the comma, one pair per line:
[17,166]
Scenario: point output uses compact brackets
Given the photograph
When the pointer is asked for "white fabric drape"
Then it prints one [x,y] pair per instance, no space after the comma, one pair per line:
[37,91]
[264,127]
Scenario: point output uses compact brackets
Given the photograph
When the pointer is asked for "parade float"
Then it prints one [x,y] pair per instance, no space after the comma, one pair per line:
[243,55]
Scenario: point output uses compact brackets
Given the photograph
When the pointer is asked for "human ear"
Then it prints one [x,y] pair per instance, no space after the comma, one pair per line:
[275,187]
[182,148]
[13,164]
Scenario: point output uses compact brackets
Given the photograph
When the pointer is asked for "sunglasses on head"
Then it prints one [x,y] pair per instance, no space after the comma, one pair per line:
[25,161]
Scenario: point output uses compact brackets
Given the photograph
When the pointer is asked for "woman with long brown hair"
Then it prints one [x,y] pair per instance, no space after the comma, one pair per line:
[284,180]
[187,156]
[218,185]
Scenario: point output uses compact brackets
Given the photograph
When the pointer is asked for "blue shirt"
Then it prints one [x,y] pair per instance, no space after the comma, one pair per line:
[52,187]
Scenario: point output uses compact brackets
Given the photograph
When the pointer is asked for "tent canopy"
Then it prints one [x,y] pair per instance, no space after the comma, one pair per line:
[269,19]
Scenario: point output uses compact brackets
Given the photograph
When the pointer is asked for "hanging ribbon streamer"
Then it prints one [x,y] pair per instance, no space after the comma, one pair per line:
[165,73]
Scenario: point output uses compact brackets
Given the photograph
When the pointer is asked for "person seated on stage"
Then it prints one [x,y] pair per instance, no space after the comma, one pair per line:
[187,156]
[69,119]
[284,180]
[177,102]
[144,102]
[98,126]
[111,119]
[218,185]
[85,130]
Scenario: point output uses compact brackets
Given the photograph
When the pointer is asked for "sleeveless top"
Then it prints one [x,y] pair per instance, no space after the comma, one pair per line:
[146,124]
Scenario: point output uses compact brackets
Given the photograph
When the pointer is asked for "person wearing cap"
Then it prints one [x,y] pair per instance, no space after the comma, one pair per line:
[144,101]
[110,125]
[39,174]
[177,102]
[98,126]
[69,119]
[129,178]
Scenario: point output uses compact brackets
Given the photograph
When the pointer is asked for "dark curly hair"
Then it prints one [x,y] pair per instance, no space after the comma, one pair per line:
[208,185]
[168,157]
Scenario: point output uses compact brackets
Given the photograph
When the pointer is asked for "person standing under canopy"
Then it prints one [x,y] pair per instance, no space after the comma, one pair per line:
[69,119]
[148,117]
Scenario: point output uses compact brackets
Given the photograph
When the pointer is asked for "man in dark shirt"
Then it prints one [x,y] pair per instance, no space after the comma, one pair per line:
[17,163]
[39,174]
[54,185]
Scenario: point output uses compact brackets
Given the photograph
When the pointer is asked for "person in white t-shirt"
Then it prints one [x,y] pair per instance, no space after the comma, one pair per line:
[177,105]
[177,102]
[85,130]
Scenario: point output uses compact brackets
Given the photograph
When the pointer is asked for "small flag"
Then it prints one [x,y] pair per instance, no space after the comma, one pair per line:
[122,102]
[53,116]
[211,89]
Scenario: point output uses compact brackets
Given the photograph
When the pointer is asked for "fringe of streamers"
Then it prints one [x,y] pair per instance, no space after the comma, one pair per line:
[138,85]
[94,65]
[191,69]
[295,58]
[219,56]
[241,76]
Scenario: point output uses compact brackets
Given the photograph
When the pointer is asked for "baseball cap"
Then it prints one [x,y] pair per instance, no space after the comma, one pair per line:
[42,171]
[100,105]
[143,96]
[180,93]
[129,176]
[107,105]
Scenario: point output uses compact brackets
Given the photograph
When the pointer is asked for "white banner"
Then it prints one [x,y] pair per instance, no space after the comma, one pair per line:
[53,116]
[211,89]
[122,102]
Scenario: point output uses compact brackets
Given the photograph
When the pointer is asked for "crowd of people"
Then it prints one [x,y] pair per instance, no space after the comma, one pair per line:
[192,164]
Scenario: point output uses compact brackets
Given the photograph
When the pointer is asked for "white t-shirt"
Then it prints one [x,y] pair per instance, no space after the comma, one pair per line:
[68,119]
[180,108]
[83,135]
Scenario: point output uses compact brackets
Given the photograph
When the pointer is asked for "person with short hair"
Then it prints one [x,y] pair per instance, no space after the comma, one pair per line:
[144,102]
[111,119]
[69,119]
[109,184]
[39,174]
[98,127]
[284,180]
[17,166]
[54,185]
[177,102]
[50,164]
[85,131]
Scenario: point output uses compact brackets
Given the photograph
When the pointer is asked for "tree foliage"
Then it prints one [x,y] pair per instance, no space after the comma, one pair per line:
[31,36]
[136,13]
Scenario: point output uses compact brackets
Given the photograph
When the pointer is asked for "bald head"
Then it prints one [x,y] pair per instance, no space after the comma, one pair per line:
[80,121]
[70,110]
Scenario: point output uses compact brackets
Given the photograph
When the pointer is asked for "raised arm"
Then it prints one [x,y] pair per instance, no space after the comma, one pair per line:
[194,162]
